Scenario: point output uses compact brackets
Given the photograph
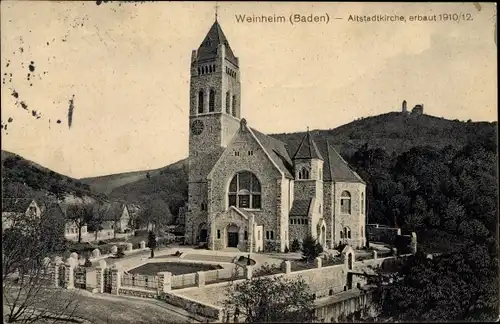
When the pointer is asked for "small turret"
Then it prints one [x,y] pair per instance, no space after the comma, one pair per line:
[404,109]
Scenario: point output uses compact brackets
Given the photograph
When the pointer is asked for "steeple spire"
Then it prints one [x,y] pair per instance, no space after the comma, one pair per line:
[216,10]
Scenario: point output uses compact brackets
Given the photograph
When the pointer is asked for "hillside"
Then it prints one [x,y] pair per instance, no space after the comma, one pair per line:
[397,133]
[25,178]
[107,183]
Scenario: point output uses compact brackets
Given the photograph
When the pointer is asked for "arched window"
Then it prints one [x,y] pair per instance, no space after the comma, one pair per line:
[233,106]
[228,102]
[199,71]
[347,233]
[211,101]
[213,67]
[341,234]
[345,202]
[304,173]
[244,191]
[201,99]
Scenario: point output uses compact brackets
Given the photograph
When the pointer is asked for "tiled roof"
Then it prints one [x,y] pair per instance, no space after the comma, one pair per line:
[277,151]
[300,207]
[340,170]
[307,149]
[335,168]
[16,205]
[209,46]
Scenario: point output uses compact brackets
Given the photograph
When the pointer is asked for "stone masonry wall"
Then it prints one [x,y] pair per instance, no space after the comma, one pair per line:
[355,221]
[257,163]
[328,213]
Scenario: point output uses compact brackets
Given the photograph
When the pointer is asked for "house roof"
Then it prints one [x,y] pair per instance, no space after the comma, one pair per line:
[277,151]
[335,168]
[339,168]
[114,212]
[307,149]
[300,207]
[209,46]
[15,205]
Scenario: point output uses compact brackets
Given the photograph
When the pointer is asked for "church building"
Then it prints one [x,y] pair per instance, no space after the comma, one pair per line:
[248,190]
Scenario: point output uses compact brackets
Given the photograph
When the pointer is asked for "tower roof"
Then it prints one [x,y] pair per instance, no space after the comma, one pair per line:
[210,44]
[307,149]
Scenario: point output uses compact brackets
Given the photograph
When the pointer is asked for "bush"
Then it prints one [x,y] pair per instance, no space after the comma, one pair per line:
[202,246]
[295,245]
[87,263]
[271,246]
[101,243]
[286,249]
[177,253]
[120,253]
[311,249]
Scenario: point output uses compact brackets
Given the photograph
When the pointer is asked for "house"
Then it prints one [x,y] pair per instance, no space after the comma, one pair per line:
[15,210]
[116,218]
[70,225]
[248,190]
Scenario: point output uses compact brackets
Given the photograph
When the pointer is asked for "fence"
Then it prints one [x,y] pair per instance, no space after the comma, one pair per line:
[219,275]
[139,281]
[183,281]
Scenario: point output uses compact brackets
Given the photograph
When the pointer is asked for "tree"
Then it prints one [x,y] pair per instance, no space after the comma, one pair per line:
[152,243]
[98,217]
[27,274]
[295,245]
[459,286]
[311,249]
[155,212]
[80,214]
[270,299]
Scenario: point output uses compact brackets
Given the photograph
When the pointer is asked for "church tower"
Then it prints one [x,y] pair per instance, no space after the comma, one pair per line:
[214,116]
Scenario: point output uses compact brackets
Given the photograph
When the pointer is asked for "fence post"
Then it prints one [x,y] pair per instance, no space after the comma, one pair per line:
[70,265]
[100,275]
[200,278]
[375,255]
[143,244]
[317,262]
[129,247]
[57,264]
[248,272]
[164,282]
[116,280]
[286,266]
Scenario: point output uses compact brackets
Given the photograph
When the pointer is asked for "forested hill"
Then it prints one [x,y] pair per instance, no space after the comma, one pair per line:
[25,178]
[397,132]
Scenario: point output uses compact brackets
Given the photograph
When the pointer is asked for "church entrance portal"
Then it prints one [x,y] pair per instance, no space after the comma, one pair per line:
[203,233]
[232,236]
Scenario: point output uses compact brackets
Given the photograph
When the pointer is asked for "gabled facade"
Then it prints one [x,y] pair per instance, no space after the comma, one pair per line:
[16,210]
[248,190]
[117,218]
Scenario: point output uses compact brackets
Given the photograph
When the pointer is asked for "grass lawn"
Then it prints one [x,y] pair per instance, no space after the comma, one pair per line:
[175,268]
[104,309]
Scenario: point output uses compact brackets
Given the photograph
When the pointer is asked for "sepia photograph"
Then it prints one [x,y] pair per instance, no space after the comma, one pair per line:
[249,162]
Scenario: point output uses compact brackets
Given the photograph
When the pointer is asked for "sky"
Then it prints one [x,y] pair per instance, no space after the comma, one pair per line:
[124,70]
